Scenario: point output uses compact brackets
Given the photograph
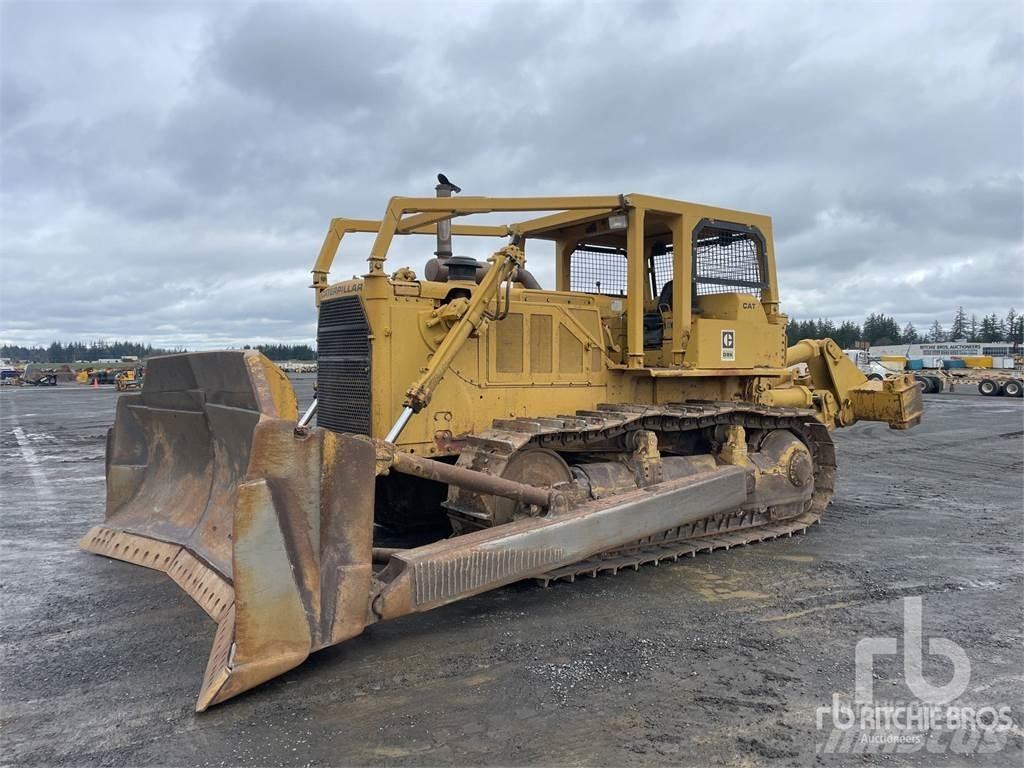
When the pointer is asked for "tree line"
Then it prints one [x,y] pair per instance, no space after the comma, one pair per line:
[881,330]
[286,351]
[75,351]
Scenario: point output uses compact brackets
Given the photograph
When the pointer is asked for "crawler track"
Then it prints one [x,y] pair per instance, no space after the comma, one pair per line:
[490,451]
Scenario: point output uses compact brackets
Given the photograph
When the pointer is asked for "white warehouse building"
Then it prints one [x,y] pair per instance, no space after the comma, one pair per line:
[945,349]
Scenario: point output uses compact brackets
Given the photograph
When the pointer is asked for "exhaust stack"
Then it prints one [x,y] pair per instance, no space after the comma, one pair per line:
[444,188]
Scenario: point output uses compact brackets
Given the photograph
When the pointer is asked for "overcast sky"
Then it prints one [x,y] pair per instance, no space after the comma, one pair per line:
[169,169]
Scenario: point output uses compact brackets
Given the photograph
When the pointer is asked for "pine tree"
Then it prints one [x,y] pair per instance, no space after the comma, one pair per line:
[973,331]
[1015,333]
[881,330]
[936,333]
[791,335]
[1000,327]
[870,328]
[987,329]
[958,330]
[909,335]
[847,334]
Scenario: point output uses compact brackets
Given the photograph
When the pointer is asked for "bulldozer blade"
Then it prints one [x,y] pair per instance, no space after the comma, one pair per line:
[268,528]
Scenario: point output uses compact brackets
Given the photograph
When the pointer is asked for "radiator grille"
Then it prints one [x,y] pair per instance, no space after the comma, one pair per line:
[343,366]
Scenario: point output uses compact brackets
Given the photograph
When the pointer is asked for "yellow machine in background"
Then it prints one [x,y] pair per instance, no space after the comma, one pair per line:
[129,379]
[645,408]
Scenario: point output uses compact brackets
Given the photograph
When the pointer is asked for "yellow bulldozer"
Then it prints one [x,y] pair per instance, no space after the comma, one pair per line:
[129,379]
[646,408]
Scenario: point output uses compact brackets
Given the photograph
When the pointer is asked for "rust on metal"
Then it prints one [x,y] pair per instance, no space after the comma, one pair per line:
[269,531]
[479,482]
[448,570]
[384,554]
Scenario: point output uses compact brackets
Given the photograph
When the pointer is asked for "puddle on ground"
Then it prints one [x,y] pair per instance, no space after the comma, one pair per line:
[796,558]
[716,589]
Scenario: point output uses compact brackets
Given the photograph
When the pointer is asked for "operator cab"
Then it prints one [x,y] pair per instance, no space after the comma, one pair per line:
[727,258]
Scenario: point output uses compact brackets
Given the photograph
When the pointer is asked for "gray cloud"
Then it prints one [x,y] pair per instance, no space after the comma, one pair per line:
[337,53]
[168,170]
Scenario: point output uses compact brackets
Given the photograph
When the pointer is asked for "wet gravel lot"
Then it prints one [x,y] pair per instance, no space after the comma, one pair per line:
[722,659]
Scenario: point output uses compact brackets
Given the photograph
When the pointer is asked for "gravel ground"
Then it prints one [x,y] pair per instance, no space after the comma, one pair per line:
[722,659]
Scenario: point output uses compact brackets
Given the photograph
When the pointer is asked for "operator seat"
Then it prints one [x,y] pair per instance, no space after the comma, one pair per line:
[654,322]
[665,298]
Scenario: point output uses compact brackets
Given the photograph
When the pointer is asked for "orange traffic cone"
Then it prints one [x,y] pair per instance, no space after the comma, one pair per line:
[95,383]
